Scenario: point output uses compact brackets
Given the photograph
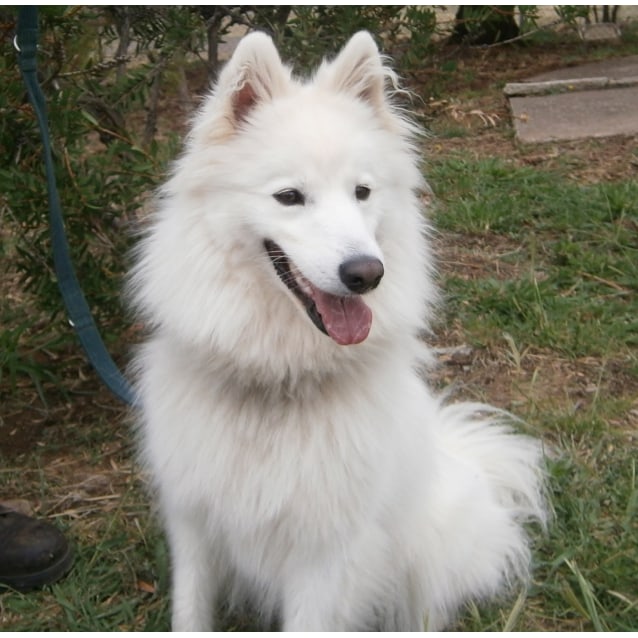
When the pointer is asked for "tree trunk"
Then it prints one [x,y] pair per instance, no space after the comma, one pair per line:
[150,127]
[213,53]
[477,24]
[214,16]
[123,28]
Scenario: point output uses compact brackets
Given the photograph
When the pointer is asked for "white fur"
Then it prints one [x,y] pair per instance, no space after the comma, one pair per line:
[325,483]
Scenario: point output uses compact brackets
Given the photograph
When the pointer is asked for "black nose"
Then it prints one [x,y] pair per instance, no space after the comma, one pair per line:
[361,274]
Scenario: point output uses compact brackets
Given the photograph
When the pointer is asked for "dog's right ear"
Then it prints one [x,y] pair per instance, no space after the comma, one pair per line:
[254,74]
[358,71]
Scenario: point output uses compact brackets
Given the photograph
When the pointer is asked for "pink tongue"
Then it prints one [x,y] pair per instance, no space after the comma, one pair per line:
[347,319]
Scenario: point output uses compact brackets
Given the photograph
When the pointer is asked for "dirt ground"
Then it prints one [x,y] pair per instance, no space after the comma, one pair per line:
[468,98]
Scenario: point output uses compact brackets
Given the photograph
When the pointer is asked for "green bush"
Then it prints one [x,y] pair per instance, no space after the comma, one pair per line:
[103,173]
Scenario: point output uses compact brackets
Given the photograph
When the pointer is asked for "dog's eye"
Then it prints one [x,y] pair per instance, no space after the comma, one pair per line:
[290,197]
[362,193]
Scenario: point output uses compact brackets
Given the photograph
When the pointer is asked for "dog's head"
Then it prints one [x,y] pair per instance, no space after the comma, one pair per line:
[320,164]
[297,202]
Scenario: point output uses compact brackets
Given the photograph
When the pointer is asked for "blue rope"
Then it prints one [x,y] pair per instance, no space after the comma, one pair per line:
[77,308]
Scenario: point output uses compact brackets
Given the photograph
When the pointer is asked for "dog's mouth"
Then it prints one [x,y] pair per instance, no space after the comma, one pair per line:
[347,320]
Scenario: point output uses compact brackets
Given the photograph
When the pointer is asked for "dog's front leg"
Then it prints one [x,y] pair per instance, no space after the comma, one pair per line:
[194,582]
[313,597]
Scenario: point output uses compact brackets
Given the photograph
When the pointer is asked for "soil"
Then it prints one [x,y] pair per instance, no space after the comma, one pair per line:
[468,99]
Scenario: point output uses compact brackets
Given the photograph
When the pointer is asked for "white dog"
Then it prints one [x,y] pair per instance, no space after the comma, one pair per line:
[300,462]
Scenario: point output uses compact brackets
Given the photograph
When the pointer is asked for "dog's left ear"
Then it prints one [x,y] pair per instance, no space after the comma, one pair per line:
[358,70]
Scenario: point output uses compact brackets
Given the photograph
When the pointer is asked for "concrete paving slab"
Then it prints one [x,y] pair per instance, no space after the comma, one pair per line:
[615,69]
[551,87]
[580,114]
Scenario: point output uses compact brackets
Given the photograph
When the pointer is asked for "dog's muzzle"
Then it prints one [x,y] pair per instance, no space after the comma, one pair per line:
[346,319]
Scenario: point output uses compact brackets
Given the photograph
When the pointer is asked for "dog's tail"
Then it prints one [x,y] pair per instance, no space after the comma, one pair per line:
[496,482]
[514,463]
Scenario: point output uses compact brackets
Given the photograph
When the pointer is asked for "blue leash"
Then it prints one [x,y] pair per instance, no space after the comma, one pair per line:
[77,308]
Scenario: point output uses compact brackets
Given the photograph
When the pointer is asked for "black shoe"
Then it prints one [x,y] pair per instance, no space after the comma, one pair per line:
[33,553]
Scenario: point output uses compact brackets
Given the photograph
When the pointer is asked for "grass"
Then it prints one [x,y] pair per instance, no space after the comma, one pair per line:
[575,248]
[540,274]
[120,573]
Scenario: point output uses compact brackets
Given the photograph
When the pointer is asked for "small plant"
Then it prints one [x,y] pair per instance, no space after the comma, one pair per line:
[17,363]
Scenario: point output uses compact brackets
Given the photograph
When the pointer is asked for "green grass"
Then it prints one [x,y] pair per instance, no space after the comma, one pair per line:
[119,579]
[493,194]
[98,595]
[576,247]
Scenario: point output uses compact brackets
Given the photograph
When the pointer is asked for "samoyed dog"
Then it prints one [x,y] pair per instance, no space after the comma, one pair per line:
[300,461]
